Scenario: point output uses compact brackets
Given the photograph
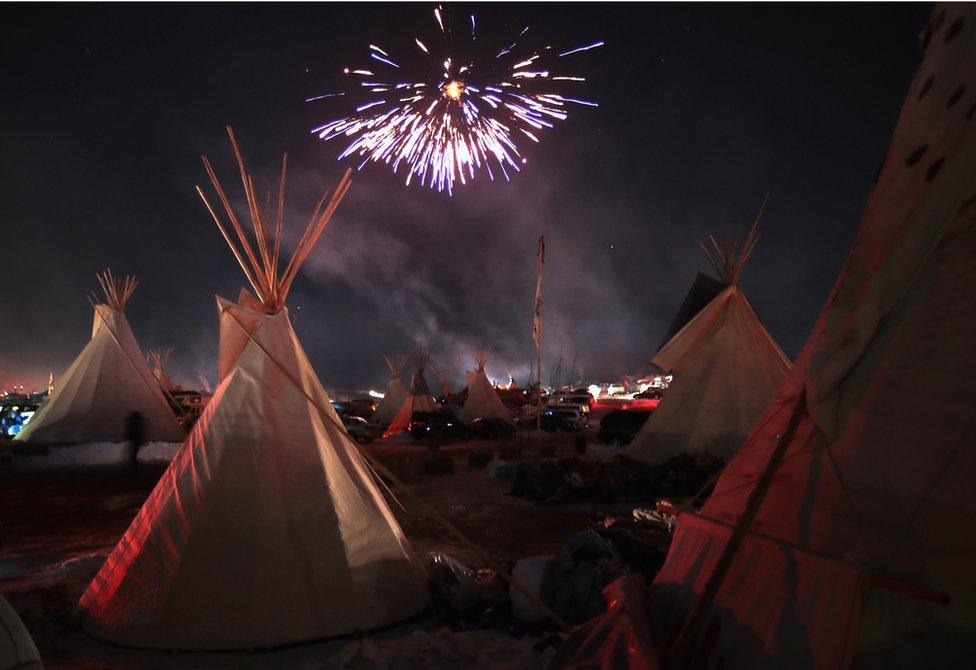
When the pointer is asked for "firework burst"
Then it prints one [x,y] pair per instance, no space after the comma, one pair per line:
[444,115]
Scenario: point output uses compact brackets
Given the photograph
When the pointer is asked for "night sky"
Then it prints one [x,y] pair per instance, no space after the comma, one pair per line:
[703,109]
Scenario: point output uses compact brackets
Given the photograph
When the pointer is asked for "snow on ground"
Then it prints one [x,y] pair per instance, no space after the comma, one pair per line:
[49,611]
[94,454]
[61,519]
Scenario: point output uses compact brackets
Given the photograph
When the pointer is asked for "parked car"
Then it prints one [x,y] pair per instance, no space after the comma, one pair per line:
[621,426]
[581,398]
[649,394]
[440,425]
[491,427]
[580,403]
[560,419]
[574,412]
[355,406]
[360,429]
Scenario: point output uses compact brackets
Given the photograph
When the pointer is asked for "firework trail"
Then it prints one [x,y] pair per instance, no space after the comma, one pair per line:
[444,115]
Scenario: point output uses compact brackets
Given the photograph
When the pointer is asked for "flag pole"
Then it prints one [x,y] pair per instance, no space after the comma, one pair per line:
[537,333]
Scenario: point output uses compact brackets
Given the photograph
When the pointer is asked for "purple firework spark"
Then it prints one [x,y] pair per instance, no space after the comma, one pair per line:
[456,115]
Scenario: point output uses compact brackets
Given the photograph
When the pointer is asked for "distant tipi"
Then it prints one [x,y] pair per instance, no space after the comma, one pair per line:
[158,359]
[268,528]
[419,400]
[445,373]
[395,394]
[106,383]
[483,400]
[726,367]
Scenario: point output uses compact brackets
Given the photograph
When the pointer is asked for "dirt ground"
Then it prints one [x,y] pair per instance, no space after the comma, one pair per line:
[58,525]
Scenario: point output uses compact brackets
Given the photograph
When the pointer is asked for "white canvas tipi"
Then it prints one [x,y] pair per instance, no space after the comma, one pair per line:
[396,392]
[726,367]
[268,527]
[444,374]
[419,400]
[483,401]
[106,383]
[158,360]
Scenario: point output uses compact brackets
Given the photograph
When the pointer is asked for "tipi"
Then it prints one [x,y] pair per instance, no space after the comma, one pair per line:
[396,392]
[106,383]
[842,532]
[483,400]
[419,400]
[726,367]
[845,523]
[17,648]
[157,360]
[444,374]
[268,527]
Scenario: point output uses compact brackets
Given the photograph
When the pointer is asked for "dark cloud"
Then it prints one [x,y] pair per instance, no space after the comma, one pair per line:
[703,110]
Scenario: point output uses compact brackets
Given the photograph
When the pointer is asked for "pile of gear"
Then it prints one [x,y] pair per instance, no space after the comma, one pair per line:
[571,583]
[620,479]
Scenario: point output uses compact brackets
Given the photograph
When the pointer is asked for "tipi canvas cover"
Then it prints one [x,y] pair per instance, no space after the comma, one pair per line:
[483,400]
[726,368]
[419,400]
[17,648]
[268,527]
[106,383]
[843,529]
[396,392]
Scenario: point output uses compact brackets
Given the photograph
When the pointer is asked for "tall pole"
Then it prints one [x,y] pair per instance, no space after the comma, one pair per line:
[537,333]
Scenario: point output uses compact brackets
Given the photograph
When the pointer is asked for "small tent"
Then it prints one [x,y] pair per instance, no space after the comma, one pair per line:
[726,367]
[17,648]
[395,394]
[419,400]
[268,528]
[483,400]
[106,383]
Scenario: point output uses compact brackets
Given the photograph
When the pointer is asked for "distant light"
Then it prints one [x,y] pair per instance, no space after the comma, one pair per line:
[376,394]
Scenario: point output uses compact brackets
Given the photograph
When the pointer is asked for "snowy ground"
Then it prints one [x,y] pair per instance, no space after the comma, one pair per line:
[98,454]
[64,511]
